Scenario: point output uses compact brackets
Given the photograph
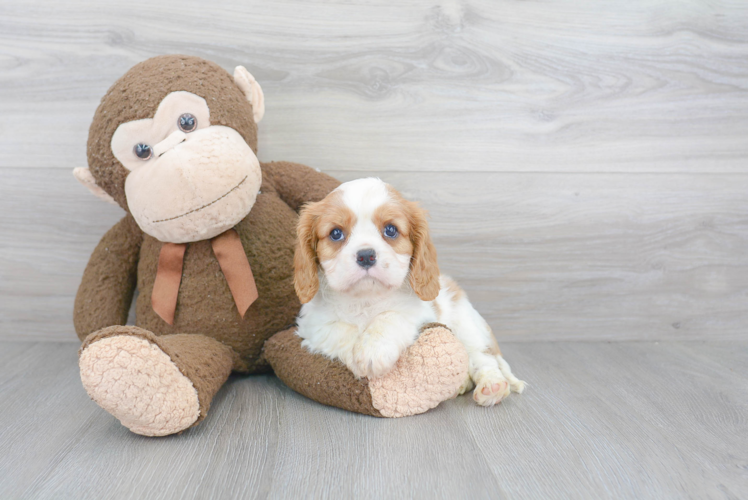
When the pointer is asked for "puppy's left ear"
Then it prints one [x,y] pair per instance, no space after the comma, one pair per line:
[306,280]
[424,268]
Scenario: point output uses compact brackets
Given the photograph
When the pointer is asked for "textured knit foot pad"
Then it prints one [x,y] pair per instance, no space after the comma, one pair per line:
[138,383]
[431,371]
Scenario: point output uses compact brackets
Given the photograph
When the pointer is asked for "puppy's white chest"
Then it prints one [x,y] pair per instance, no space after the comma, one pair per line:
[360,314]
[363,312]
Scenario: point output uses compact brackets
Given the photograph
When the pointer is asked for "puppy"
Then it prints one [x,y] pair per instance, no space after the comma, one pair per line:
[367,274]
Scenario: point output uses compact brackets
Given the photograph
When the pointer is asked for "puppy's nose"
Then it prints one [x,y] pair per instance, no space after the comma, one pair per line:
[366,258]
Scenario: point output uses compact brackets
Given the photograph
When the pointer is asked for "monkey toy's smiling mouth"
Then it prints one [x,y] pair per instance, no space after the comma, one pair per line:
[200,188]
[206,205]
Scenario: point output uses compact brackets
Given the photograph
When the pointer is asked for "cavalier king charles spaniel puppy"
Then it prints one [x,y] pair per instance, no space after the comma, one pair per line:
[366,272]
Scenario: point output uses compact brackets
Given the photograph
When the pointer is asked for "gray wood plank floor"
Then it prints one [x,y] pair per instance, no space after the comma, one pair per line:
[599,420]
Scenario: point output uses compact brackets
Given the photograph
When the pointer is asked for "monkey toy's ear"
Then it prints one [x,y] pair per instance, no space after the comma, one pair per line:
[85,177]
[252,90]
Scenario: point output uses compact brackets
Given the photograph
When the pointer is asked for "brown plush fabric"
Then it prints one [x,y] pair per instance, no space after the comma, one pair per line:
[316,377]
[108,284]
[297,186]
[126,256]
[204,304]
[203,360]
[206,362]
[137,95]
[428,372]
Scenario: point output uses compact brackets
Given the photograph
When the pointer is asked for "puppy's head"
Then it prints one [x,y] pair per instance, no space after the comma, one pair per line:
[366,239]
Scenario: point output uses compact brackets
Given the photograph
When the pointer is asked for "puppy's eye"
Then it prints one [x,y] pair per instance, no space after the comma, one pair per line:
[337,235]
[390,231]
[142,151]
[187,122]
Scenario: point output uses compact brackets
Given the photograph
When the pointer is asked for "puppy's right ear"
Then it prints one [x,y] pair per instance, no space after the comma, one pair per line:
[306,280]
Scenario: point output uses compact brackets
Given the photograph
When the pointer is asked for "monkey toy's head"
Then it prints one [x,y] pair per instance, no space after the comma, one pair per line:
[174,143]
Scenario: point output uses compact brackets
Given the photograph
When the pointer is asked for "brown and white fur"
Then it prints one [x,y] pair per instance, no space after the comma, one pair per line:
[366,295]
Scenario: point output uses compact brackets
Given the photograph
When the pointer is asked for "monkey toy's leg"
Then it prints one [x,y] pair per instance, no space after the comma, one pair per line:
[427,373]
[155,385]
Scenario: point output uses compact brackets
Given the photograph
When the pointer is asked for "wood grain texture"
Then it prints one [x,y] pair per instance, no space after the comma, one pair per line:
[428,85]
[542,256]
[549,140]
[599,420]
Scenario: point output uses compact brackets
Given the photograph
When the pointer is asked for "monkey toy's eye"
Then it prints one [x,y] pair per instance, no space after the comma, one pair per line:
[390,231]
[337,235]
[187,122]
[142,151]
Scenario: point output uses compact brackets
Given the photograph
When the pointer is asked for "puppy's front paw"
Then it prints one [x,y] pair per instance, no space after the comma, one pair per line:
[373,359]
[490,388]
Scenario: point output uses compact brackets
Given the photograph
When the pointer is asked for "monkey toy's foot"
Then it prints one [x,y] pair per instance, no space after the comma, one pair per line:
[155,386]
[430,371]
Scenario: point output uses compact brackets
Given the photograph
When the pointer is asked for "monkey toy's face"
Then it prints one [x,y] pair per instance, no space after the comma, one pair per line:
[173,142]
[189,180]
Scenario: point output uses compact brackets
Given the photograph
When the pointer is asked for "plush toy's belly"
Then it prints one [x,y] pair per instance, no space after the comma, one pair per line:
[205,304]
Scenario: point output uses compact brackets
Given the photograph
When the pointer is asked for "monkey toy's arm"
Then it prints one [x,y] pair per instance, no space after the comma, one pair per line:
[109,281]
[298,184]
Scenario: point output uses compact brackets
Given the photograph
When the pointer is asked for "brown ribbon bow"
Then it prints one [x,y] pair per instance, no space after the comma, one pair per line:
[230,254]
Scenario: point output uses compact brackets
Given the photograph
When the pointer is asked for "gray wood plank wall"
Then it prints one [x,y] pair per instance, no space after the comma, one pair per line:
[585,163]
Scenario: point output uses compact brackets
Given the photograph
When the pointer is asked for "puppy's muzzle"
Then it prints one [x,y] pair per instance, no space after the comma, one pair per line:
[366,258]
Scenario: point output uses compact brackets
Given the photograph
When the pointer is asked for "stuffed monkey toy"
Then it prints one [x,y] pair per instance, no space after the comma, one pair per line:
[208,240]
